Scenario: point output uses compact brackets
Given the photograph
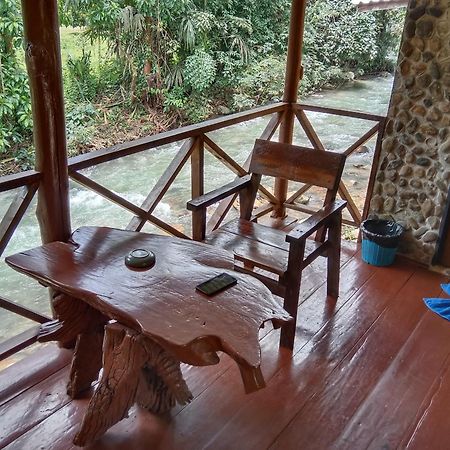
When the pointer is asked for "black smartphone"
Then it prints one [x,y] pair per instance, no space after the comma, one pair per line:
[216,284]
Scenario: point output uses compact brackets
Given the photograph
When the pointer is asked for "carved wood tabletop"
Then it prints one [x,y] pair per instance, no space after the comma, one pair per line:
[156,308]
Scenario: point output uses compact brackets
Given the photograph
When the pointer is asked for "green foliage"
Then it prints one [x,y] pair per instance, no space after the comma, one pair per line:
[78,120]
[15,106]
[175,99]
[200,71]
[187,57]
[81,83]
[198,107]
[338,35]
[262,83]
[164,44]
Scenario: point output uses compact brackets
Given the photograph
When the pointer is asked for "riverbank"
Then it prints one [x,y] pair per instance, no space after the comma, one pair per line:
[95,126]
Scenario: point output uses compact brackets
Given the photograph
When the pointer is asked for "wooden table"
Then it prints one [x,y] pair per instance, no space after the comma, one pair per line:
[144,322]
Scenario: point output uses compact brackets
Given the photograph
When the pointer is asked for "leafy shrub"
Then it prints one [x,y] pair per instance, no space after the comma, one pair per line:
[15,104]
[262,83]
[81,83]
[198,107]
[175,99]
[78,120]
[200,71]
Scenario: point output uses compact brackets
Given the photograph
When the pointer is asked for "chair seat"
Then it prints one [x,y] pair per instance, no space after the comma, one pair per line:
[257,244]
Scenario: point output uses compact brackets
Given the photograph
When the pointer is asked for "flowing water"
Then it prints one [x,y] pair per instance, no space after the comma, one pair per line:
[133,177]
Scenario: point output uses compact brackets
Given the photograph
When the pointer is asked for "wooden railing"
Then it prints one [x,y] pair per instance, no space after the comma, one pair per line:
[194,143]
[26,184]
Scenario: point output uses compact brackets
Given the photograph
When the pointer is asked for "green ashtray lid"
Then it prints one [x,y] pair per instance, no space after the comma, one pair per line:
[140,259]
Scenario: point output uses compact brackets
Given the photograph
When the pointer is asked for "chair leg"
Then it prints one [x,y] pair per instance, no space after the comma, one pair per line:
[334,257]
[292,281]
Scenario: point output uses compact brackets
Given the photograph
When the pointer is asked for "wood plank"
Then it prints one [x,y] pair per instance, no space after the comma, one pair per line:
[163,184]
[321,218]
[430,430]
[314,360]
[222,156]
[351,205]
[23,311]
[309,130]
[297,194]
[198,188]
[358,373]
[339,112]
[122,202]
[257,232]
[218,194]
[374,169]
[138,145]
[28,409]
[383,419]
[14,214]
[362,140]
[19,342]
[143,428]
[14,181]
[225,205]
[297,163]
[305,209]
[31,370]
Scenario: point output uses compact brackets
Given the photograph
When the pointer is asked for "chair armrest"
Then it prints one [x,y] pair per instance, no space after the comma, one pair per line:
[316,221]
[218,194]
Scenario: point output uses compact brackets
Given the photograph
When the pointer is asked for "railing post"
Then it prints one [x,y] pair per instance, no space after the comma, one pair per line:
[197,185]
[43,60]
[293,75]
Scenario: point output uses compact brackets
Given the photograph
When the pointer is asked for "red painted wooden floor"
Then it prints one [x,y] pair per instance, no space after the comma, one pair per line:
[368,371]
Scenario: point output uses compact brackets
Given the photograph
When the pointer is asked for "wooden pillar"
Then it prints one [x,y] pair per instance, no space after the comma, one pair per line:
[43,59]
[198,188]
[293,75]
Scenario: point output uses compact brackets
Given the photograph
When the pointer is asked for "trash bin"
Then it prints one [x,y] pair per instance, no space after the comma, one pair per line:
[380,241]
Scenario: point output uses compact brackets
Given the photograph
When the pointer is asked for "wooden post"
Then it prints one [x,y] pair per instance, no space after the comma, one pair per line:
[43,59]
[292,79]
[197,186]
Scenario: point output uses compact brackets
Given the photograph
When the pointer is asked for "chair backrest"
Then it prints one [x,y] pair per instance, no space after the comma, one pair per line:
[306,165]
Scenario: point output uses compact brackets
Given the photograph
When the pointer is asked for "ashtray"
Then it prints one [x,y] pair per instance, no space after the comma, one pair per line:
[140,259]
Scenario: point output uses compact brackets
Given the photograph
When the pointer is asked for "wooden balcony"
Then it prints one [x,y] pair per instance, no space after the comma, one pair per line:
[369,371]
[194,141]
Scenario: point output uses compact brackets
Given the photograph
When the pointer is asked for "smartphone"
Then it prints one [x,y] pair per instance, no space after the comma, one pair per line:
[216,284]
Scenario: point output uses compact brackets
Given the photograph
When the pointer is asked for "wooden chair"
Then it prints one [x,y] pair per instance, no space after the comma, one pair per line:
[269,254]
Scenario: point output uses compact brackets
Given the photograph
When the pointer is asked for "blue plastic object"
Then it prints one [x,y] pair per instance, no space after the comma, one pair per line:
[377,255]
[440,306]
[380,241]
[446,288]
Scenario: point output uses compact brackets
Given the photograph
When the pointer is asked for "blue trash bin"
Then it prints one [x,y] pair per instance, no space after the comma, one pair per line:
[380,241]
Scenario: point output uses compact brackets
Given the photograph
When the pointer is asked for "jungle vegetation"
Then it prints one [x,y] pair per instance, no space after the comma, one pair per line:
[136,67]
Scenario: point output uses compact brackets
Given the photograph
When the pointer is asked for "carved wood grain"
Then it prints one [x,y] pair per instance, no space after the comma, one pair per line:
[135,369]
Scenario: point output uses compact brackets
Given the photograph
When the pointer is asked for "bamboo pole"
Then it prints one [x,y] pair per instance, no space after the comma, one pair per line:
[43,60]
[292,80]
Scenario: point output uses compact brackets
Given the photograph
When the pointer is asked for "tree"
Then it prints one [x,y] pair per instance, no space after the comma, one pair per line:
[15,106]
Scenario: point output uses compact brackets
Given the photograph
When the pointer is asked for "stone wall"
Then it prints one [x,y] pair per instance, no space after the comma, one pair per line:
[414,172]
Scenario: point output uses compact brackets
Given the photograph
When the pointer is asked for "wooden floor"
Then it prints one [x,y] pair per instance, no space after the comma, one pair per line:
[369,371]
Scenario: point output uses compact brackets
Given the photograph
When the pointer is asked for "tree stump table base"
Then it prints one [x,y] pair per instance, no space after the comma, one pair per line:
[138,324]
[135,370]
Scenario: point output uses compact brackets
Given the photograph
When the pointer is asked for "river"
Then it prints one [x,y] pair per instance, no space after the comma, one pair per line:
[134,176]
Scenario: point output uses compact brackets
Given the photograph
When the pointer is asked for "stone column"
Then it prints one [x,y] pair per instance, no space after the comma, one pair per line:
[414,171]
